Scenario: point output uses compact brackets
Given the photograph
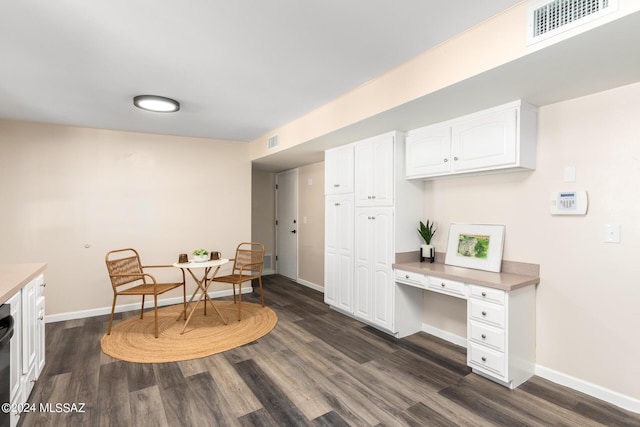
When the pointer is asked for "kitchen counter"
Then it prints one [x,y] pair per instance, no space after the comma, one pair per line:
[504,281]
[14,276]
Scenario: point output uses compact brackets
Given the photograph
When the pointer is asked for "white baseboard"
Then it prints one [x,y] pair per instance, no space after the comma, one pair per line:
[133,306]
[447,336]
[268,271]
[310,285]
[610,396]
[613,397]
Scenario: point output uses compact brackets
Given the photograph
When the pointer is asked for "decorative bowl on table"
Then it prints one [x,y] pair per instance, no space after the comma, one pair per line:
[200,255]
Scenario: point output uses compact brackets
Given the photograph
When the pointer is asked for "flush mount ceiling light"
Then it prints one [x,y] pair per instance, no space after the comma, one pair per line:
[158,104]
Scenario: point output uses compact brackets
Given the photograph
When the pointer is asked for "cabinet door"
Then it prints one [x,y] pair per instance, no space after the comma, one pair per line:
[40,337]
[339,252]
[338,172]
[382,280]
[16,353]
[428,151]
[486,141]
[29,326]
[363,260]
[374,171]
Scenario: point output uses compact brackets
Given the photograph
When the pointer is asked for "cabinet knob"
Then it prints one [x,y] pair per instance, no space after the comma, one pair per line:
[44,284]
[484,337]
[484,359]
[41,318]
[446,160]
[336,204]
[373,197]
[336,185]
[484,313]
[484,294]
[406,276]
[442,284]
[455,158]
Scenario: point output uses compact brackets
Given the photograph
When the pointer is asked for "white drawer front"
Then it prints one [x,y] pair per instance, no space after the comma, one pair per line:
[487,359]
[486,335]
[449,287]
[411,278]
[487,294]
[492,314]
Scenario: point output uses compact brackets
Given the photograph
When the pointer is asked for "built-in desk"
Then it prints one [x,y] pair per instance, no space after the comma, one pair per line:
[500,314]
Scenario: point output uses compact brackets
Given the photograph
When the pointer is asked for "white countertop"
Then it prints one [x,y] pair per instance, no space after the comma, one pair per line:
[14,276]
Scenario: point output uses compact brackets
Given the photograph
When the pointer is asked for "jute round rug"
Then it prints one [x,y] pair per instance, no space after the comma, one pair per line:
[133,339]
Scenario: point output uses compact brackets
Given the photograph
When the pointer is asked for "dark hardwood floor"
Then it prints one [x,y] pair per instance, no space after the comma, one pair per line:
[317,368]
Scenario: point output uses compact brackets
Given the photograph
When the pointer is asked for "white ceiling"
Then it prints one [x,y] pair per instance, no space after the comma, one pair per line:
[240,68]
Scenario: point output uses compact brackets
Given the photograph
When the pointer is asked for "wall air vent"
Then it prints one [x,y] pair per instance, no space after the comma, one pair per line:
[547,18]
[272,142]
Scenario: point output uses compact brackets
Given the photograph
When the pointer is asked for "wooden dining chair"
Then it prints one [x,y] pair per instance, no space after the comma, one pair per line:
[128,277]
[247,266]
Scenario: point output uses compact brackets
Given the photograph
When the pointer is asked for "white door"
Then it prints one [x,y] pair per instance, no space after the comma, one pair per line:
[287,223]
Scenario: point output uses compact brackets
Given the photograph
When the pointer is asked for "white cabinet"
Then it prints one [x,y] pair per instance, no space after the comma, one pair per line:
[338,170]
[384,210]
[498,139]
[374,171]
[501,333]
[373,279]
[27,344]
[500,324]
[338,256]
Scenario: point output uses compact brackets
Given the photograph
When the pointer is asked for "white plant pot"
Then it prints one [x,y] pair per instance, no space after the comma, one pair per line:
[200,258]
[427,251]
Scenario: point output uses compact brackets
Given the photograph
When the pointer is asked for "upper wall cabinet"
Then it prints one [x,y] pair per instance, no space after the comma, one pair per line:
[499,139]
[374,171]
[338,170]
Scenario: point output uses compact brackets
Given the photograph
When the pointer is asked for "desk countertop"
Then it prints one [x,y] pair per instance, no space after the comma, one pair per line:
[504,281]
[14,276]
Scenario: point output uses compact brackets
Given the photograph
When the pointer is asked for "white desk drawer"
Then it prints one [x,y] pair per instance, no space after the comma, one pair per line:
[492,314]
[446,286]
[487,359]
[486,335]
[487,294]
[410,277]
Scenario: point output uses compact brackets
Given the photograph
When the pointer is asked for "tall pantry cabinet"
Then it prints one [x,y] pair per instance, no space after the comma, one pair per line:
[383,211]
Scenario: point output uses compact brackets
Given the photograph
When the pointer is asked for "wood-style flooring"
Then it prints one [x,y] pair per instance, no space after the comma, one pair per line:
[316,368]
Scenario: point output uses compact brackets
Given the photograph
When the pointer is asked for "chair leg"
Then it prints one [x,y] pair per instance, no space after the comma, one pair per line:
[142,308]
[184,299]
[113,307]
[234,292]
[155,311]
[261,294]
[239,298]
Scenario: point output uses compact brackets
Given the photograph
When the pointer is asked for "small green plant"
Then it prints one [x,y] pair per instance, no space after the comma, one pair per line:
[200,252]
[427,231]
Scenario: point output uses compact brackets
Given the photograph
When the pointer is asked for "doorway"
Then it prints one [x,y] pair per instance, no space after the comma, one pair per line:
[287,224]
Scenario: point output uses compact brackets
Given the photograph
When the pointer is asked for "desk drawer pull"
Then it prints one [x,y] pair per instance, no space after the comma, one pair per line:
[442,284]
[484,313]
[484,294]
[484,336]
[484,359]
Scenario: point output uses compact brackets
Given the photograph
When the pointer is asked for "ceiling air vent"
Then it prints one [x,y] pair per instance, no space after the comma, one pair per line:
[272,142]
[547,18]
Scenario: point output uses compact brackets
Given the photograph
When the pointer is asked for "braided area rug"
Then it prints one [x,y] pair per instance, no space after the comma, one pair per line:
[133,340]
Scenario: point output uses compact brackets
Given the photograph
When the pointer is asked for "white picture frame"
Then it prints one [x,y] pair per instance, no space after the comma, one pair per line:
[477,246]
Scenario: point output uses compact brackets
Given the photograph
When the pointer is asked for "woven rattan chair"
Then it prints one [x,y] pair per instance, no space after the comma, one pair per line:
[247,265]
[129,278]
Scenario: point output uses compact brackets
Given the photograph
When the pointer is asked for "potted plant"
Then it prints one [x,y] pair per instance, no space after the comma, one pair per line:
[200,255]
[427,231]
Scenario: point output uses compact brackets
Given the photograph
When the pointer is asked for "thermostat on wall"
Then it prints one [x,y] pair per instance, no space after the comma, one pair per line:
[569,203]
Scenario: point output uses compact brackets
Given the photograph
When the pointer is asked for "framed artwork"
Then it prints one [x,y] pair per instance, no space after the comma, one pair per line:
[476,246]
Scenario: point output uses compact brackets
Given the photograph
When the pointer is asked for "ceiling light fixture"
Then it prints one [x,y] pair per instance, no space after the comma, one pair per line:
[158,104]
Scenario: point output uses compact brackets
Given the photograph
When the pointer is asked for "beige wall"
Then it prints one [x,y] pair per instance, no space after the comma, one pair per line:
[62,188]
[311,224]
[263,212]
[588,314]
